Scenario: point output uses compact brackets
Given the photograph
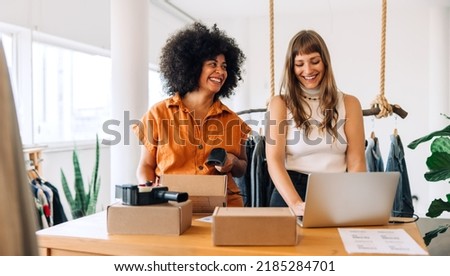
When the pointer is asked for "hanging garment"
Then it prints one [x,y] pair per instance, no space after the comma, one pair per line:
[59,216]
[244,181]
[49,194]
[42,198]
[374,160]
[40,214]
[403,206]
[261,183]
[48,203]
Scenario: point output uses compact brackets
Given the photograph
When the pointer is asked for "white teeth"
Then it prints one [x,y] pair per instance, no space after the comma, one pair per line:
[309,77]
[216,80]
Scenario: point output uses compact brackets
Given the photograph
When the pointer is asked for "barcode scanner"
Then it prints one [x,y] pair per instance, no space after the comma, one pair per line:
[217,157]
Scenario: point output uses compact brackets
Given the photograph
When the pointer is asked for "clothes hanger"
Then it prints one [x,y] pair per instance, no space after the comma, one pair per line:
[395,128]
[34,175]
[372,134]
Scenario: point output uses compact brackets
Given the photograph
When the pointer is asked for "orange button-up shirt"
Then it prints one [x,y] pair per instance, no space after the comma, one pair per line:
[182,144]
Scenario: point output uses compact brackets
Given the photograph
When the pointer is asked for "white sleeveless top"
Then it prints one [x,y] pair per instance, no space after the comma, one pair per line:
[320,151]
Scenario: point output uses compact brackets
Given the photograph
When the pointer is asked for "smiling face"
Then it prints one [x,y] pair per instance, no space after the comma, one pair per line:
[214,74]
[309,69]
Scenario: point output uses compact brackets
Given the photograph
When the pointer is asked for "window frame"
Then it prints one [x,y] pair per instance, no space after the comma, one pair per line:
[69,45]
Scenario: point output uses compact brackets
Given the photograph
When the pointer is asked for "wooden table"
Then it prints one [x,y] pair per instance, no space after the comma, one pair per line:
[88,236]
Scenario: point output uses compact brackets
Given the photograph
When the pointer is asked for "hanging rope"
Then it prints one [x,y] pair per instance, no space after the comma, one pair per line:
[272,55]
[381,101]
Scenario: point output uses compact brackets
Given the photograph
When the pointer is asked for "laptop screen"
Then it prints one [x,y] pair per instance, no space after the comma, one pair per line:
[349,199]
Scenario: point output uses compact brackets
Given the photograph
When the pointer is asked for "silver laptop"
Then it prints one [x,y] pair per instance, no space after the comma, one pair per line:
[349,199]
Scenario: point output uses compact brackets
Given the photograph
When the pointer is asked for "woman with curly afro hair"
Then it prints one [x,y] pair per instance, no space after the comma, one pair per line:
[199,66]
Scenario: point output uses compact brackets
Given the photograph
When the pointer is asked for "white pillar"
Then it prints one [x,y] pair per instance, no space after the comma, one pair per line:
[439,74]
[129,53]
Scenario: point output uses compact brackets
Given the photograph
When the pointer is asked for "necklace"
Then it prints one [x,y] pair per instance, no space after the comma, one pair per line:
[310,98]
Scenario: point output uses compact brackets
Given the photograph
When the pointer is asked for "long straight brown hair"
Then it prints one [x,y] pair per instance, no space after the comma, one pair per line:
[307,42]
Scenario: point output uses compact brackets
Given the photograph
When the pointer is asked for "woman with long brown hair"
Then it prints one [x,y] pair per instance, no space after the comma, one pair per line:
[312,126]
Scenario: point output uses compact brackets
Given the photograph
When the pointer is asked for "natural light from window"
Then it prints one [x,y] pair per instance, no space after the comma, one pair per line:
[154,88]
[71,94]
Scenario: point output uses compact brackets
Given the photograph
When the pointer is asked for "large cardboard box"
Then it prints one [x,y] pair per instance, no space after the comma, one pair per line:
[254,226]
[205,191]
[171,218]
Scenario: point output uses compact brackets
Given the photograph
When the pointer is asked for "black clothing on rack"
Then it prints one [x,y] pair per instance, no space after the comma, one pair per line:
[256,185]
[261,183]
[244,181]
[59,216]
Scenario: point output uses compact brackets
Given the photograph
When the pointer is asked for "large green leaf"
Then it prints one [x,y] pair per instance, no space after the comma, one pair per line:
[93,203]
[438,175]
[66,190]
[441,144]
[94,184]
[439,166]
[434,233]
[443,132]
[80,194]
[75,207]
[438,206]
[439,161]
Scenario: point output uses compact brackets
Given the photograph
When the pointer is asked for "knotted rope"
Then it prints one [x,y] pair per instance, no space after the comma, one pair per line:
[381,101]
[272,55]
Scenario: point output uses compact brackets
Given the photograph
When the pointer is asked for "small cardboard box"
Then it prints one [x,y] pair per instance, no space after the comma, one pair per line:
[205,191]
[171,218]
[254,226]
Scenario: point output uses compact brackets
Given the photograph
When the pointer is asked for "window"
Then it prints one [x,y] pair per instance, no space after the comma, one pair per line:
[68,97]
[71,94]
[155,93]
[7,42]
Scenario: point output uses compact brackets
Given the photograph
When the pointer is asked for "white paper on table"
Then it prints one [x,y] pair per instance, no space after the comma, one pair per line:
[382,241]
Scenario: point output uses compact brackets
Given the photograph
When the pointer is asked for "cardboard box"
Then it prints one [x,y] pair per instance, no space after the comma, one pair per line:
[171,218]
[205,191]
[254,226]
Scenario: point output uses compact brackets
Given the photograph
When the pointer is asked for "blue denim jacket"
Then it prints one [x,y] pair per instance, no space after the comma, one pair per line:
[374,160]
[403,206]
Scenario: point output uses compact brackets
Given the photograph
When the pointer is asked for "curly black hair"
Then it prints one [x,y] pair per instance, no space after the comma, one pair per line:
[182,58]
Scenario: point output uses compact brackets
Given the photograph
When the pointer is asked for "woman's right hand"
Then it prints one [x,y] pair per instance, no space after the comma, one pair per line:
[299,209]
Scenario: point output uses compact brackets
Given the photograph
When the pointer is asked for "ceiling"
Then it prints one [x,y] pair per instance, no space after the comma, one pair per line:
[207,9]
[201,9]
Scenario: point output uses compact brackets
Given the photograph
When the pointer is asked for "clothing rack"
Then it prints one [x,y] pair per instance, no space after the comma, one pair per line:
[34,157]
[248,111]
[366,112]
[395,108]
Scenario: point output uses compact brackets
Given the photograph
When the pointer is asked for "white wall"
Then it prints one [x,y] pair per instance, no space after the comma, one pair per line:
[352,34]
[84,21]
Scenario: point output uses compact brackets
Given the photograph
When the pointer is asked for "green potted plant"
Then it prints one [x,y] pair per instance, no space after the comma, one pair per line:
[84,203]
[438,164]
